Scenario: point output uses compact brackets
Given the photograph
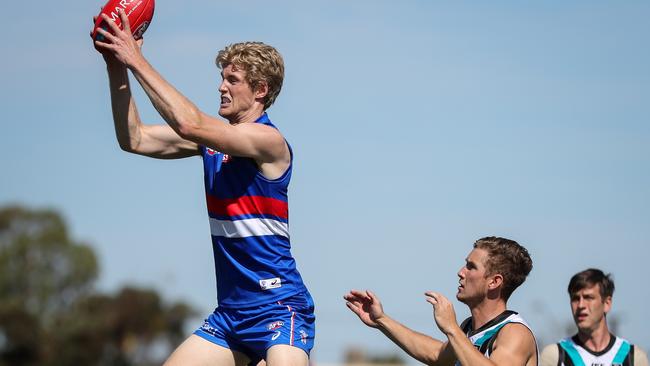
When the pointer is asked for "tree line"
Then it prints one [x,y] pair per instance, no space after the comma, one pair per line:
[51,313]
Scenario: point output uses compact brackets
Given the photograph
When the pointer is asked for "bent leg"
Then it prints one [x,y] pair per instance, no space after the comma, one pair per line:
[196,351]
[285,355]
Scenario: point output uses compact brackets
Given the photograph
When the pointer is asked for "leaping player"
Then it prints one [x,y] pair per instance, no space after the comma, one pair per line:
[264,309]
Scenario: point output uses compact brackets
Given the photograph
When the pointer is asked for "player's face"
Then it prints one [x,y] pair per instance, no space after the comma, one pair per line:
[472,279]
[237,96]
[589,308]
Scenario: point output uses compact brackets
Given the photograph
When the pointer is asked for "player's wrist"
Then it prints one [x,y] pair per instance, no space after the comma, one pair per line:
[113,66]
[138,63]
[453,331]
[383,321]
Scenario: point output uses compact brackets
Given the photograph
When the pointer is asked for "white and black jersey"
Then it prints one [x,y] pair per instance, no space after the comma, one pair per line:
[572,352]
[483,338]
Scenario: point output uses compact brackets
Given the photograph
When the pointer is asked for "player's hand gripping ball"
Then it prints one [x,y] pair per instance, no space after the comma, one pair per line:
[139,12]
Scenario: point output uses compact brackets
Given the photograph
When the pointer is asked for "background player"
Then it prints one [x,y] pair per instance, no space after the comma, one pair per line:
[493,335]
[264,311]
[590,293]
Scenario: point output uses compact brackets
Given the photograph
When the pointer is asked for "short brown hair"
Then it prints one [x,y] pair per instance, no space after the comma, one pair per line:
[261,62]
[507,258]
[590,277]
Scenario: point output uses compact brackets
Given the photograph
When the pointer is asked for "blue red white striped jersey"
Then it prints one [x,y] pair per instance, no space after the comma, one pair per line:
[249,223]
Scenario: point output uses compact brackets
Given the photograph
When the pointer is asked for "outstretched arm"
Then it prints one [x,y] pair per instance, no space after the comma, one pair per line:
[158,141]
[514,345]
[419,346]
[257,141]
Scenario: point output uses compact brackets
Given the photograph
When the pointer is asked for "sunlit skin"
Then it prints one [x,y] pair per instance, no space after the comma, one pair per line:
[472,278]
[185,130]
[514,346]
[589,311]
[237,95]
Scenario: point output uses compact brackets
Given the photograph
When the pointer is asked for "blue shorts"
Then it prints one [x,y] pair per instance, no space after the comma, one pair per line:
[254,330]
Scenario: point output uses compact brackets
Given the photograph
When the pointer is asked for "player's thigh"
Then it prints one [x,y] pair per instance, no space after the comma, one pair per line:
[285,355]
[196,351]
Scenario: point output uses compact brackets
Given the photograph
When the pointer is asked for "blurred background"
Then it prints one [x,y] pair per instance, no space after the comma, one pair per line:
[418,127]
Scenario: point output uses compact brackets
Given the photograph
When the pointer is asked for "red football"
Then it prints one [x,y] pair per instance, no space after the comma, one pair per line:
[139,12]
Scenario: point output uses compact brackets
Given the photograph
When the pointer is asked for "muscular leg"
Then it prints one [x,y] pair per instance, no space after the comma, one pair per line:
[285,355]
[196,351]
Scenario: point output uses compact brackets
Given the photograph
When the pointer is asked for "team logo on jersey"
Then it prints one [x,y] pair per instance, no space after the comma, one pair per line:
[212,152]
[270,283]
[275,325]
[303,336]
[276,335]
[206,327]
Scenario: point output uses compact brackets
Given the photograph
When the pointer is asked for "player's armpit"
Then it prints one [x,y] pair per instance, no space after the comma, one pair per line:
[514,346]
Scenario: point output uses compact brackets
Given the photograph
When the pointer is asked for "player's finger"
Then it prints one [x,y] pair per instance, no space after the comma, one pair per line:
[125,22]
[104,45]
[94,21]
[107,35]
[355,309]
[372,296]
[436,295]
[111,24]
[358,294]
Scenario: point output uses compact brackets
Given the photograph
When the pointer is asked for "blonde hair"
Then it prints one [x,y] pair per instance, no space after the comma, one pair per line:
[261,62]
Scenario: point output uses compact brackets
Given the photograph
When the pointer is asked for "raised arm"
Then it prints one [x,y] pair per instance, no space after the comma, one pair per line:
[158,141]
[262,143]
[419,346]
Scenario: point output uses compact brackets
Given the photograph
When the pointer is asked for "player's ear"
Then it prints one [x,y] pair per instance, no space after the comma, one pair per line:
[495,281]
[608,304]
[262,89]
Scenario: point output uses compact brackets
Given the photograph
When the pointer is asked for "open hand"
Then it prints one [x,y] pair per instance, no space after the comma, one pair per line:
[119,43]
[366,305]
[443,311]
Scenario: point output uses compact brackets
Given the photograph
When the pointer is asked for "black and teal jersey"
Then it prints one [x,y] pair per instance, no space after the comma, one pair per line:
[572,352]
[483,338]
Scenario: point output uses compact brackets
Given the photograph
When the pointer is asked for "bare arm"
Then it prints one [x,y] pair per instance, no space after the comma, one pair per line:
[158,141]
[260,142]
[419,346]
[640,357]
[550,355]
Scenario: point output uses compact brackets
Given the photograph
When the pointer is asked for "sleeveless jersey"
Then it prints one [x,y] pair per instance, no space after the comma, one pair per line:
[619,352]
[249,223]
[484,337]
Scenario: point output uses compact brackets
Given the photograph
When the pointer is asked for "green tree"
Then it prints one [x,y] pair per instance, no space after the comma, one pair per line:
[42,270]
[50,313]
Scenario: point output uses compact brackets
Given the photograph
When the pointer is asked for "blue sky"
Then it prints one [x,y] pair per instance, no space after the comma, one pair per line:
[417,127]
